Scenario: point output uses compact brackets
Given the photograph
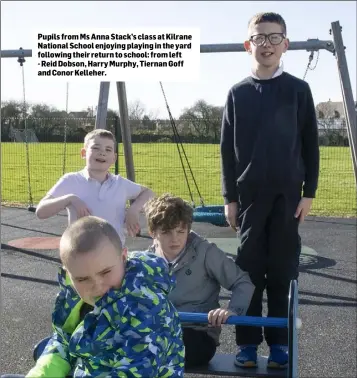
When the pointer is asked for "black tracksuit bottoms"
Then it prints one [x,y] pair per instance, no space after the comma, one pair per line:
[269,251]
[200,348]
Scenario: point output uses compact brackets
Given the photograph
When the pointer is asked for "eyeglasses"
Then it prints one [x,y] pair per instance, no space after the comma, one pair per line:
[274,38]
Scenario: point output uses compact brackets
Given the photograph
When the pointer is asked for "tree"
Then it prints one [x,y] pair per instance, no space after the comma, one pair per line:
[147,123]
[329,109]
[202,119]
[140,118]
[42,111]
[112,115]
[331,124]
[11,109]
[11,118]
[136,111]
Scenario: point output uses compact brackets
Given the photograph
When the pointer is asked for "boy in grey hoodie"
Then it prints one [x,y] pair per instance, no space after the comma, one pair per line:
[201,268]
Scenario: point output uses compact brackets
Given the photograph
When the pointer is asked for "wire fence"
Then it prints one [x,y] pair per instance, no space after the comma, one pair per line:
[156,160]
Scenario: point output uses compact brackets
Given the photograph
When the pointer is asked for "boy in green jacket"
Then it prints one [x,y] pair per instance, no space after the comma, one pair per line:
[112,316]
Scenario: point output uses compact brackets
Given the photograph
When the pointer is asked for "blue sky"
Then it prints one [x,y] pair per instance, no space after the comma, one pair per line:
[219,22]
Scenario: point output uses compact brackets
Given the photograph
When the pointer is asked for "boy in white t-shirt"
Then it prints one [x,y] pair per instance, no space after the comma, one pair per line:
[95,191]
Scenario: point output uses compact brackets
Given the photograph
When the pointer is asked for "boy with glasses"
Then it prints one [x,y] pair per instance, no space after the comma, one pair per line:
[270,168]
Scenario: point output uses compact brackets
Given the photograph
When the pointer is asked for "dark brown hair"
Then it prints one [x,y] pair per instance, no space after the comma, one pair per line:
[268,17]
[168,212]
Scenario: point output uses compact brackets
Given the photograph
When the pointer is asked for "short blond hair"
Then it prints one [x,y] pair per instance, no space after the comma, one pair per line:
[84,235]
[167,212]
[101,133]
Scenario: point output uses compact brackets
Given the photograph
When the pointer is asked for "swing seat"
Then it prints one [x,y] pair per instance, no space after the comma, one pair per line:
[211,209]
[213,214]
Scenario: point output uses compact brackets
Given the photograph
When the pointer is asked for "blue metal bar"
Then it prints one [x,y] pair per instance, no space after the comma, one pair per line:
[192,317]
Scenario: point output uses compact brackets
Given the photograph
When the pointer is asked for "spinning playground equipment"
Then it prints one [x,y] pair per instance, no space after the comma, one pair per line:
[223,364]
[210,213]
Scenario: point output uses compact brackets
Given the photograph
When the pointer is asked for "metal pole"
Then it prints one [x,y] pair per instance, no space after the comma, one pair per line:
[346,88]
[309,45]
[117,134]
[125,131]
[67,94]
[102,109]
[16,53]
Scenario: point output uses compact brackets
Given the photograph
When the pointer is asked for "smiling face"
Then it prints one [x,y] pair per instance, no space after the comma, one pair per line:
[266,44]
[99,153]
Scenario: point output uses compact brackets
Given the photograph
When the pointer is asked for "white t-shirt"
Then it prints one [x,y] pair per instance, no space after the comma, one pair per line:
[107,200]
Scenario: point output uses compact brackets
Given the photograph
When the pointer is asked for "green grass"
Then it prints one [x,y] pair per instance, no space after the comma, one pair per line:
[158,166]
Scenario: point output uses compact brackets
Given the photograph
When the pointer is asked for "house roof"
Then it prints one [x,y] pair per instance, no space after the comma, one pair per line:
[328,108]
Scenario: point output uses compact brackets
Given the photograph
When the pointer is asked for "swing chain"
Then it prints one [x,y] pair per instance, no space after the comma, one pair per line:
[65,135]
[22,60]
[311,57]
[178,142]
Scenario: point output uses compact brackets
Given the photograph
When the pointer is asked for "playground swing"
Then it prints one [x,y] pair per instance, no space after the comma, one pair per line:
[213,214]
[31,206]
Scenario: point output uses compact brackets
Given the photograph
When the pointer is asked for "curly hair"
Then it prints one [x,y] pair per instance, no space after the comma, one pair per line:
[167,212]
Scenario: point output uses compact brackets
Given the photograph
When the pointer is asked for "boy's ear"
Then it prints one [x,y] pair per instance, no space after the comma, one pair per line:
[247,47]
[286,45]
[124,254]
[151,234]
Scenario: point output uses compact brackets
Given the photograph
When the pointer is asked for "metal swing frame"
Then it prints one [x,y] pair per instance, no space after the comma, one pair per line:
[213,214]
[21,60]
[336,47]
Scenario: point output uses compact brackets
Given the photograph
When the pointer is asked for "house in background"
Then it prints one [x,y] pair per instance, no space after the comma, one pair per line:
[331,109]
[332,122]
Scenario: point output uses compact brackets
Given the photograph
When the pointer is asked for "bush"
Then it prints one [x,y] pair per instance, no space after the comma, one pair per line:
[164,140]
